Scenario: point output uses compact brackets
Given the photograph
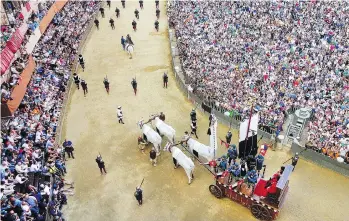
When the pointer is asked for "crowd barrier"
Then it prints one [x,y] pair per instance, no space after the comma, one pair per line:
[199,102]
[321,160]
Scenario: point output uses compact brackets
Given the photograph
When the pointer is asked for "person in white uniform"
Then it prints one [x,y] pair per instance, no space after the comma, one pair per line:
[120,115]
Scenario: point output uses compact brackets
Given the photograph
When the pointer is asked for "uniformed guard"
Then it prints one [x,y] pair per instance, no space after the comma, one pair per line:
[120,115]
[193,115]
[84,87]
[134,25]
[111,21]
[194,128]
[82,62]
[162,116]
[134,85]
[76,80]
[141,4]
[106,84]
[137,14]
[139,195]
[157,12]
[232,153]
[102,11]
[156,24]
[123,3]
[164,77]
[260,161]
[108,3]
[295,160]
[101,165]
[157,3]
[251,162]
[228,137]
[96,23]
[252,177]
[117,11]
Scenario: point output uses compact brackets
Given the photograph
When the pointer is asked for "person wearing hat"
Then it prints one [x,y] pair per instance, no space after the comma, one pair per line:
[68,148]
[228,137]
[139,195]
[76,80]
[134,85]
[252,177]
[120,115]
[259,161]
[162,116]
[82,62]
[295,160]
[137,14]
[84,87]
[223,163]
[101,165]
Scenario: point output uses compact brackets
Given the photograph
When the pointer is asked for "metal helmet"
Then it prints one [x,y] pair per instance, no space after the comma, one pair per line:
[119,107]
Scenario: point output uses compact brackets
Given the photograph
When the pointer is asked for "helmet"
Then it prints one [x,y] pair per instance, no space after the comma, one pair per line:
[119,107]
[80,55]
[193,109]
[296,153]
[229,131]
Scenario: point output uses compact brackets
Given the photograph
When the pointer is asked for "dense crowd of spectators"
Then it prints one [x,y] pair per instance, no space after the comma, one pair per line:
[29,154]
[282,54]
[20,62]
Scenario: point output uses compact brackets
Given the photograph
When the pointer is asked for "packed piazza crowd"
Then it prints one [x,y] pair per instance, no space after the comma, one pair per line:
[283,55]
[18,65]
[29,154]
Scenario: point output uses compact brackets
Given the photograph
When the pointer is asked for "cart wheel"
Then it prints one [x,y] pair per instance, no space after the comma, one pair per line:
[260,212]
[216,191]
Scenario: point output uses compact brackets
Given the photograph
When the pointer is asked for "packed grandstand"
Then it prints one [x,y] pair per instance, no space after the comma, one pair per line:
[29,151]
[285,55]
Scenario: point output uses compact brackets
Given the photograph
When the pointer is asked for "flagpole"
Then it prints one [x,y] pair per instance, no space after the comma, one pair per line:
[248,129]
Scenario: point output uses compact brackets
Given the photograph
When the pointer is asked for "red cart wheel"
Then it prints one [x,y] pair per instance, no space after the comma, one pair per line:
[260,212]
[216,191]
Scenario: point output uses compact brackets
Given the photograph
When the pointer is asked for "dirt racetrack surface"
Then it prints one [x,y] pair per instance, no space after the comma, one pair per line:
[91,124]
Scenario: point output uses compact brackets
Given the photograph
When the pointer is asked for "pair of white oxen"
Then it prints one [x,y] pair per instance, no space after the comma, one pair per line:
[207,152]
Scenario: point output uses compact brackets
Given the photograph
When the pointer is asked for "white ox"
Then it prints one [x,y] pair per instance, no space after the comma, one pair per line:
[151,135]
[129,48]
[165,129]
[182,160]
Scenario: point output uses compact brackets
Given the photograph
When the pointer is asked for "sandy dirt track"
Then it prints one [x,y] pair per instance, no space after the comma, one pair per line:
[91,123]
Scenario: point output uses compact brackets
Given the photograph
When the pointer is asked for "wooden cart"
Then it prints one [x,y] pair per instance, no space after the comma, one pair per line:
[263,206]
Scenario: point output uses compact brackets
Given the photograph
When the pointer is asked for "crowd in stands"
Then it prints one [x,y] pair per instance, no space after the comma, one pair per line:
[282,54]
[29,153]
[20,62]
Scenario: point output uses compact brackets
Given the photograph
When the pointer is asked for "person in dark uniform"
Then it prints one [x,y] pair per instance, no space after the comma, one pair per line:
[101,165]
[157,4]
[129,40]
[111,21]
[84,87]
[108,3]
[96,23]
[102,12]
[152,155]
[194,128]
[134,25]
[106,84]
[76,80]
[134,85]
[193,115]
[156,24]
[165,80]
[137,14]
[243,167]
[123,42]
[232,153]
[68,148]
[295,161]
[141,4]
[259,161]
[162,116]
[123,3]
[157,12]
[82,62]
[139,195]
[228,137]
[117,11]
[251,162]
